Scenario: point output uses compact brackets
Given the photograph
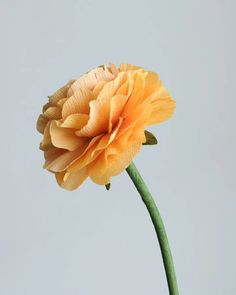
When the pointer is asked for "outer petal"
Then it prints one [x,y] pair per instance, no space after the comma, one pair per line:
[116,157]
[63,159]
[73,159]
[71,180]
[103,168]
[60,93]
[41,123]
[52,113]
[76,121]
[46,142]
[128,67]
[91,79]
[78,102]
[98,88]
[163,109]
[161,104]
[64,138]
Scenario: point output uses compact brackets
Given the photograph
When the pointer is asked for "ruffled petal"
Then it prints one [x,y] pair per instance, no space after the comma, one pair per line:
[162,110]
[46,142]
[113,69]
[136,97]
[76,121]
[128,67]
[91,79]
[75,159]
[100,109]
[78,102]
[52,113]
[103,168]
[72,180]
[98,88]
[60,93]
[63,160]
[117,104]
[64,138]
[41,123]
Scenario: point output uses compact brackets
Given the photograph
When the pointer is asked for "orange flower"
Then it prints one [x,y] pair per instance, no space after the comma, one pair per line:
[94,126]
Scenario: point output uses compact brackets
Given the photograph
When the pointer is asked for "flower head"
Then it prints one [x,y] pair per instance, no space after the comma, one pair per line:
[94,126]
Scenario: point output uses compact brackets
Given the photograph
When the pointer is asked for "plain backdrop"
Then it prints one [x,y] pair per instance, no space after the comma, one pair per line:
[94,242]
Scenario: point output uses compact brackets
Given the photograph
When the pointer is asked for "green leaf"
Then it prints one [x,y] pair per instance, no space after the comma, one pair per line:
[108,186]
[150,138]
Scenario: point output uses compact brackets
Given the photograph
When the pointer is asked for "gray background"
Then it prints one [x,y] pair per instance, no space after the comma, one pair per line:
[91,241]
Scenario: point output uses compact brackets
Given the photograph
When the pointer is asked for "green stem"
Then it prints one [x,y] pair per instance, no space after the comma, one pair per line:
[159,227]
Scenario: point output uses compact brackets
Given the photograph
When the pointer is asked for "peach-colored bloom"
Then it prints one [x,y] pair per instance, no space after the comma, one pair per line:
[94,126]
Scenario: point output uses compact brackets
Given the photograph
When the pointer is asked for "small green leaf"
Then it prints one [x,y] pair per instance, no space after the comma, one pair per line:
[108,186]
[150,138]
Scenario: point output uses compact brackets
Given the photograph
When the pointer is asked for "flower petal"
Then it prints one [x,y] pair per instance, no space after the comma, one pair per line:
[71,180]
[52,113]
[102,169]
[60,93]
[46,142]
[73,159]
[116,108]
[98,88]
[136,96]
[63,160]
[78,102]
[100,109]
[76,121]
[64,138]
[128,67]
[162,110]
[91,79]
[41,123]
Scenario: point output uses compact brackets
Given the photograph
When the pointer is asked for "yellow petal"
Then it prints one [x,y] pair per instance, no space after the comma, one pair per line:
[131,119]
[116,108]
[91,79]
[51,155]
[128,67]
[63,160]
[46,142]
[131,135]
[152,84]
[116,157]
[78,103]
[52,113]
[100,109]
[103,168]
[97,89]
[64,138]
[106,139]
[113,69]
[136,96]
[97,170]
[74,159]
[71,180]
[162,110]
[86,156]
[47,105]
[161,92]
[41,123]
[60,93]
[76,121]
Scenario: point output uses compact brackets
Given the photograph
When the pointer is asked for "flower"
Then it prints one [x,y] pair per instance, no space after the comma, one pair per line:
[94,126]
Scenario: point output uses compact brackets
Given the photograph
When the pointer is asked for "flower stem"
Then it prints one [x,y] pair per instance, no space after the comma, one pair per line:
[159,227]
